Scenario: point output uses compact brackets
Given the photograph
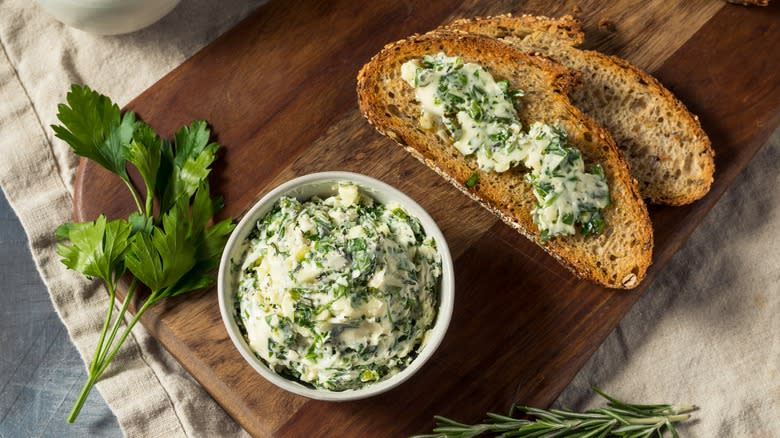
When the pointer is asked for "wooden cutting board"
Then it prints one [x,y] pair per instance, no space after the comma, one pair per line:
[279,92]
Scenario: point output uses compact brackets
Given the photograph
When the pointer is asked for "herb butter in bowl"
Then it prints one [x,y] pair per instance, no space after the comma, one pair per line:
[336,286]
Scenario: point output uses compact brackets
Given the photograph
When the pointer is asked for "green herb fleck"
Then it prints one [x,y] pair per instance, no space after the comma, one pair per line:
[473,180]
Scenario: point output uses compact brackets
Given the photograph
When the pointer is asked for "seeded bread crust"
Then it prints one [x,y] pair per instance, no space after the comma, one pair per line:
[667,150]
[619,257]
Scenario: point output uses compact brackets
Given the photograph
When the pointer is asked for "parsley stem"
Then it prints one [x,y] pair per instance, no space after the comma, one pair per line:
[82,398]
[149,200]
[119,318]
[99,348]
[134,192]
[97,366]
[153,298]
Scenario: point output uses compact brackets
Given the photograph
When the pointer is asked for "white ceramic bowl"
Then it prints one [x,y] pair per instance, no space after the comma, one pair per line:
[108,17]
[325,184]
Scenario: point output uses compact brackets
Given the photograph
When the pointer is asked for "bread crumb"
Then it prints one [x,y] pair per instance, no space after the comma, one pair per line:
[630,281]
[607,24]
[576,9]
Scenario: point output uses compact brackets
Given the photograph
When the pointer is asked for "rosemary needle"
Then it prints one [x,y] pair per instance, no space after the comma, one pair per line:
[617,419]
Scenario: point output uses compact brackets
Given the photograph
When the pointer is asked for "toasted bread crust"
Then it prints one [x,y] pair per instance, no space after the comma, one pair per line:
[666,148]
[619,257]
[566,29]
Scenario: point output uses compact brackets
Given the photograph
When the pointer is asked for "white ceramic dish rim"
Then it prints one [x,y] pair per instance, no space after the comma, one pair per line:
[376,189]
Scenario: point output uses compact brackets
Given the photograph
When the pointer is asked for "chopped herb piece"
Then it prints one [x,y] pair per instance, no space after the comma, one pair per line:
[473,180]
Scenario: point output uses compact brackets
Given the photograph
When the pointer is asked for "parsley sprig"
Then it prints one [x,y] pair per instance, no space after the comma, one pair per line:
[171,249]
[617,419]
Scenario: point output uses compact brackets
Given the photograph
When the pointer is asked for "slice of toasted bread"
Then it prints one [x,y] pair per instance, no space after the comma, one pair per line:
[617,258]
[667,151]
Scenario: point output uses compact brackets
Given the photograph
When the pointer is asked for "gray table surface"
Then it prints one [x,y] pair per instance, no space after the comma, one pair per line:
[41,372]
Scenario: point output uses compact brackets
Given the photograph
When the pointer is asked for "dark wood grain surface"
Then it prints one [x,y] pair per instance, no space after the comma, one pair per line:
[279,93]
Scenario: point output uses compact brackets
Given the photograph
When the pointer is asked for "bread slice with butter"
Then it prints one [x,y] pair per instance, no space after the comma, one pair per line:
[619,256]
[667,151]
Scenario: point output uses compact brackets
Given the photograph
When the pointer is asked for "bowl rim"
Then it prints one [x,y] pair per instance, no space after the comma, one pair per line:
[368,185]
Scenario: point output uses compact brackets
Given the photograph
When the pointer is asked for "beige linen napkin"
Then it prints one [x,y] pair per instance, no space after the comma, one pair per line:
[705,332]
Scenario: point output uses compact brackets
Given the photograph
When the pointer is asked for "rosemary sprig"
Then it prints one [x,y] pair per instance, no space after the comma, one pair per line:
[618,419]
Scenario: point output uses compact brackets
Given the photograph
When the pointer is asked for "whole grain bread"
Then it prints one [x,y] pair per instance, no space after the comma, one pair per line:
[667,151]
[617,258]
